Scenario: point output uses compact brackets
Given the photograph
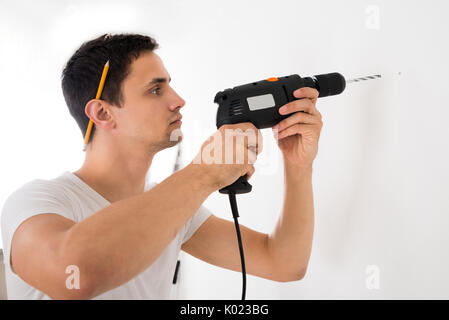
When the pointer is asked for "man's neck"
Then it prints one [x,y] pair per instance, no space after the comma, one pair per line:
[115,175]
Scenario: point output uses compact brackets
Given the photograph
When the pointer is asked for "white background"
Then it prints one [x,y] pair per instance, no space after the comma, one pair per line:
[381,178]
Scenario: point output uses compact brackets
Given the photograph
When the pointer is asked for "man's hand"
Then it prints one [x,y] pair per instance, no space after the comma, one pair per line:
[298,134]
[230,153]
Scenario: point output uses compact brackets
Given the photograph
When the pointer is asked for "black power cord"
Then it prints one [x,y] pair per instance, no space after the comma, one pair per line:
[235,214]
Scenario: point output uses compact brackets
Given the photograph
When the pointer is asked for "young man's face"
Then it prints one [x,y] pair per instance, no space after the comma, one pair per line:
[149,107]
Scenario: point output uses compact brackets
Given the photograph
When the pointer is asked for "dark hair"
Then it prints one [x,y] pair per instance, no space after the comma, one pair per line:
[82,73]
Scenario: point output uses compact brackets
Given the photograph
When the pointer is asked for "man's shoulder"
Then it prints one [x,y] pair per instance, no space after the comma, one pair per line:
[39,185]
[35,192]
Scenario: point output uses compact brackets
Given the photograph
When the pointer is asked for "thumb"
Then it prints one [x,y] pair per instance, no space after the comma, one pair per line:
[250,172]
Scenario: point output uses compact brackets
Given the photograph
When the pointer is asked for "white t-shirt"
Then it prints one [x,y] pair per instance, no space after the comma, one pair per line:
[72,198]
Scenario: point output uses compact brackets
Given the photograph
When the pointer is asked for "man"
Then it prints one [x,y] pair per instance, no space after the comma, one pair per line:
[101,232]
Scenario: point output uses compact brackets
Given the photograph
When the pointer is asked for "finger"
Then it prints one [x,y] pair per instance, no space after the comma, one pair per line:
[245,153]
[298,117]
[240,151]
[255,142]
[239,128]
[251,135]
[244,129]
[306,105]
[250,172]
[252,157]
[244,126]
[306,92]
[299,129]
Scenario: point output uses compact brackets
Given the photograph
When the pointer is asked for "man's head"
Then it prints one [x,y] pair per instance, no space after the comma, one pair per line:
[137,105]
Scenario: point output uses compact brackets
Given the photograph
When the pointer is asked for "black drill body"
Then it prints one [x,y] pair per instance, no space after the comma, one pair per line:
[236,106]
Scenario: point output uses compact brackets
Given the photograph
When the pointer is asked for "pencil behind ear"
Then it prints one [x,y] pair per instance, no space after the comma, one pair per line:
[99,91]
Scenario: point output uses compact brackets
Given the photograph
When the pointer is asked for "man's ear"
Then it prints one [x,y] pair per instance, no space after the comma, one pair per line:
[99,111]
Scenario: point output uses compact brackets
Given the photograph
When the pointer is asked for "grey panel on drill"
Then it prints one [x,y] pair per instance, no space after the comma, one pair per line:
[261,102]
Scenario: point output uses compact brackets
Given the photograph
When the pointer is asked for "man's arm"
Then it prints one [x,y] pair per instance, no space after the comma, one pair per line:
[111,246]
[281,256]
[291,240]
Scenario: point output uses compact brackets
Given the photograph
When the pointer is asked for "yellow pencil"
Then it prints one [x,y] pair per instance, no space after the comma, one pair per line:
[99,91]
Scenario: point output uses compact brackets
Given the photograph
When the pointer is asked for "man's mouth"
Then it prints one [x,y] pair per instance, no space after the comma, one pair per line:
[177,120]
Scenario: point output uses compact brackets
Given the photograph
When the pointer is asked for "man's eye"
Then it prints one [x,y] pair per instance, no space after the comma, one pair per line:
[155,90]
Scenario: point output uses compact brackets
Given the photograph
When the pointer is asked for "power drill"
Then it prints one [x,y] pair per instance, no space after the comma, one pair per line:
[259,103]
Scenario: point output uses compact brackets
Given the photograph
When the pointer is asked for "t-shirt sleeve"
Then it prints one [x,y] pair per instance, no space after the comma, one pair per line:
[195,222]
[35,197]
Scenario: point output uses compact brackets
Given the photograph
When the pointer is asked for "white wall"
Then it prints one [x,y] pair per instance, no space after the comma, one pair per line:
[380,177]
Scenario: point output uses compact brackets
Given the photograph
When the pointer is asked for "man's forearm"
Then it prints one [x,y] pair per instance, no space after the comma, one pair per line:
[290,243]
[123,239]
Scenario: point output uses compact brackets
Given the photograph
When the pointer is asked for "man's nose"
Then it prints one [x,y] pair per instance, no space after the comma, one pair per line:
[178,101]
[182,102]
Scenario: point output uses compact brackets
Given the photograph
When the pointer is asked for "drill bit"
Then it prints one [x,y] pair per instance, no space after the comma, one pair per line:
[364,78]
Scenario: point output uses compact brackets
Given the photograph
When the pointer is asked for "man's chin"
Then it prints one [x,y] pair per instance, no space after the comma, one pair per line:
[175,137]
[174,143]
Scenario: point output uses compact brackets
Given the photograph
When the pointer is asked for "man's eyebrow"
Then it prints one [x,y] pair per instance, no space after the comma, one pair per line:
[157,80]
